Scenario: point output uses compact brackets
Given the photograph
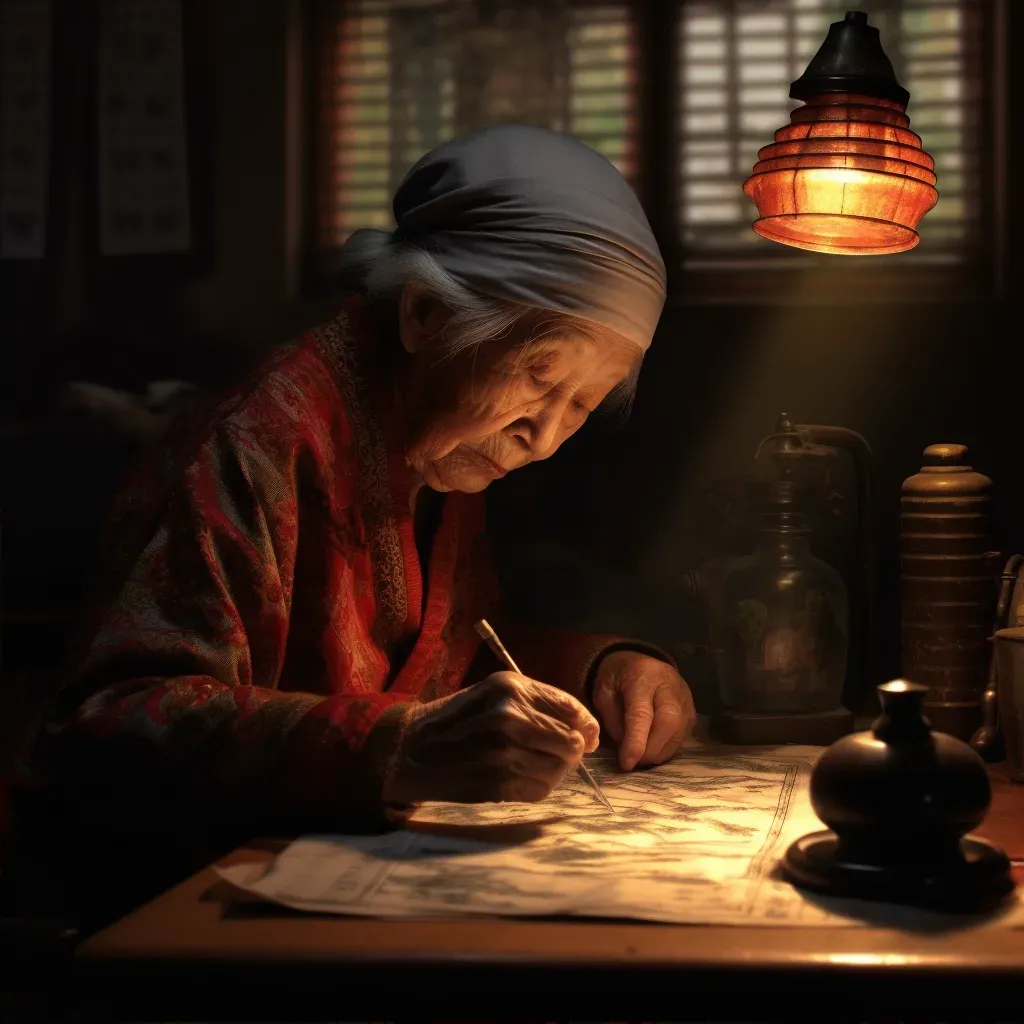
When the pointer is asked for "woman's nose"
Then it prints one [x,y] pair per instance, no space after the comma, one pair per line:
[544,433]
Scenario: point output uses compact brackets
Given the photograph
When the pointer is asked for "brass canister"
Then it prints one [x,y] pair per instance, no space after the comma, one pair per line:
[948,592]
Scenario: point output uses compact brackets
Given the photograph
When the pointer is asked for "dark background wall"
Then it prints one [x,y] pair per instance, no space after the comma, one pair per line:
[603,534]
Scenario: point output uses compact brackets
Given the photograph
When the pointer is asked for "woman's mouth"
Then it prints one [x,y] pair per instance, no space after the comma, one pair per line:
[496,469]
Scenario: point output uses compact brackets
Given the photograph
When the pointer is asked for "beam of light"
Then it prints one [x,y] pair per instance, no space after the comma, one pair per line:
[850,357]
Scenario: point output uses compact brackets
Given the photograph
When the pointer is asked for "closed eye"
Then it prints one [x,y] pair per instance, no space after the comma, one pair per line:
[546,385]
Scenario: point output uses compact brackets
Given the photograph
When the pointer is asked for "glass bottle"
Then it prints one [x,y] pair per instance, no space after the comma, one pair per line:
[780,626]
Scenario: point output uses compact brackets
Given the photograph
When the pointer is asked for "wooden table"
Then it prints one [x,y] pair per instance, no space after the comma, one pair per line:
[189,956]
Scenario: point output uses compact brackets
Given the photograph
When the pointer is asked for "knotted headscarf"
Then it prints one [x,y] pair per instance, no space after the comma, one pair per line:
[531,216]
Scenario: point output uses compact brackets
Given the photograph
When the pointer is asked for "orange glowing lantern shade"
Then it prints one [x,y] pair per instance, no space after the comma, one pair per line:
[846,175]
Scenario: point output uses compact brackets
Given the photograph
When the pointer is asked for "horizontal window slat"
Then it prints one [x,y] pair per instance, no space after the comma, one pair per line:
[733,94]
[381,118]
[380,122]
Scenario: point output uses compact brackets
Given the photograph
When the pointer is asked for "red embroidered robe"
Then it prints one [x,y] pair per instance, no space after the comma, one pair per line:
[271,612]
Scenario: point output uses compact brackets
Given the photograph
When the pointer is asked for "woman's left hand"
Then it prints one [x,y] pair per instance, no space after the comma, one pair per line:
[645,705]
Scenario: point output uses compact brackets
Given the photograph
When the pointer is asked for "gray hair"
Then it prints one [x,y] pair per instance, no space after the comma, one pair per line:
[380,268]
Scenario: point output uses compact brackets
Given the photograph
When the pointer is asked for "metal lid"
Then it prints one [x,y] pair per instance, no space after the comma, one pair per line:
[947,458]
[946,470]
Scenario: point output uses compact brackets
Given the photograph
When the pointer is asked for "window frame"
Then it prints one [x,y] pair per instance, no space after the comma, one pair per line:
[658,144]
[315,259]
[811,280]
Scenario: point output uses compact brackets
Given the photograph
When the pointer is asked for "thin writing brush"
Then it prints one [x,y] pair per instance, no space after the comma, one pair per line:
[484,628]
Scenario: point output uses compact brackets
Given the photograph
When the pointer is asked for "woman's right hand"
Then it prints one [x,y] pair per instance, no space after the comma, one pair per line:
[505,738]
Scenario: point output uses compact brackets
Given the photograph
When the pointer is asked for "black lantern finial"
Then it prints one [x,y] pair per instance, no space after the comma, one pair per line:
[851,60]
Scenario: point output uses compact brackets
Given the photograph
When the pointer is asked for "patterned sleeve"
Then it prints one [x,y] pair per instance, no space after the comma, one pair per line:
[174,716]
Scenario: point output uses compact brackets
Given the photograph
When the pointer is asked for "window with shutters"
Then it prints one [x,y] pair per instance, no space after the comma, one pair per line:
[735,63]
[398,77]
[706,80]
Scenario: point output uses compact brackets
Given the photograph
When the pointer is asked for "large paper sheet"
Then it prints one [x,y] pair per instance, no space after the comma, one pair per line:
[695,841]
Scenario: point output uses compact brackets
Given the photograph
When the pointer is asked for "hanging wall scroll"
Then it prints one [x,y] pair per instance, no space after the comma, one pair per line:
[25,98]
[144,200]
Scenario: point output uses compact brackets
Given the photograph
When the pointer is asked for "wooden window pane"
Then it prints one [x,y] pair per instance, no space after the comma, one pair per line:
[398,78]
[736,61]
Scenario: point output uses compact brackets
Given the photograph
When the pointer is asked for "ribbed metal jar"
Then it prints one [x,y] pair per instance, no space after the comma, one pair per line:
[948,592]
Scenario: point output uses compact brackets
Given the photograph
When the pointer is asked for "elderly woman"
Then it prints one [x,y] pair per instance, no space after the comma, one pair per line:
[290,642]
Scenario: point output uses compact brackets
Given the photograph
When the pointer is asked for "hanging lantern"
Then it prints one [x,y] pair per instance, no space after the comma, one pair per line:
[846,175]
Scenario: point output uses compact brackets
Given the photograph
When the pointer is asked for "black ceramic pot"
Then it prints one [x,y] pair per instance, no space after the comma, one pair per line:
[898,801]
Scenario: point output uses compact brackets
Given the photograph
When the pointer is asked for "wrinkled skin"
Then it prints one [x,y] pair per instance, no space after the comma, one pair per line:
[468,421]
[473,418]
[510,737]
[506,738]
[645,707]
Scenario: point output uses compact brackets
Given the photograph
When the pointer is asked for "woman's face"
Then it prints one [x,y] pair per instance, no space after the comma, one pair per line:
[473,418]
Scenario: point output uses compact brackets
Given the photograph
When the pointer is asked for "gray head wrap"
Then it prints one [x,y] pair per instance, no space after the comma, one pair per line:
[535,217]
